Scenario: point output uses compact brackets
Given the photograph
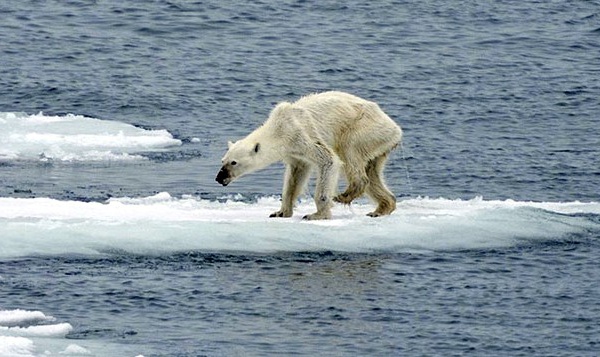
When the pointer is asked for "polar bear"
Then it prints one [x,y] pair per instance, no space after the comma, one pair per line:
[327,131]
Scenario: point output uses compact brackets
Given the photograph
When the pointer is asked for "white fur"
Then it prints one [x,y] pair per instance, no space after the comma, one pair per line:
[325,132]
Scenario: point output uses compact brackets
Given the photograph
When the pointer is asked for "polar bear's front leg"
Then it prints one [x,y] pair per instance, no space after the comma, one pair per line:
[328,166]
[296,175]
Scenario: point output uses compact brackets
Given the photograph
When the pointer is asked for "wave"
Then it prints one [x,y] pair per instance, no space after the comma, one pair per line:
[164,224]
[75,138]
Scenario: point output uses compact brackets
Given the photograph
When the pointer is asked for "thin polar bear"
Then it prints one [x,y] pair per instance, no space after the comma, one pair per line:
[323,132]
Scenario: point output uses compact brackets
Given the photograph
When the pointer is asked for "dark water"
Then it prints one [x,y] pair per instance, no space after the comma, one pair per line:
[534,301]
[497,99]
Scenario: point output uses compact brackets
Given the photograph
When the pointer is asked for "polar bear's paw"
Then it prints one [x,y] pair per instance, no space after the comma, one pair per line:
[375,214]
[281,214]
[316,216]
[343,198]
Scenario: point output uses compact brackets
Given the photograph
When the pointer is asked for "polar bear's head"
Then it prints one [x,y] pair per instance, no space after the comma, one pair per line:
[243,157]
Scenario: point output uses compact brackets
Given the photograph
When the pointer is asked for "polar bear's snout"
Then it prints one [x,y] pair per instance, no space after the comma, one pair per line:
[224,177]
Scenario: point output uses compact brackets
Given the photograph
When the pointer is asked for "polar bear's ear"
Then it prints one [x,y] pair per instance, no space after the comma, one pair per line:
[256,147]
[229,144]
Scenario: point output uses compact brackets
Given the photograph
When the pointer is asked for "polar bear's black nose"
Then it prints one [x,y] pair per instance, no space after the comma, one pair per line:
[222,177]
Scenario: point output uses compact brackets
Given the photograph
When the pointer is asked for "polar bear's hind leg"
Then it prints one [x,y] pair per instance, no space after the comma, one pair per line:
[377,190]
[357,179]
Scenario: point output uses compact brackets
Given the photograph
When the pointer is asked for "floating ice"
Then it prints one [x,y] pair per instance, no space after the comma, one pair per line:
[16,346]
[9,318]
[74,349]
[26,333]
[17,327]
[163,224]
[25,323]
[75,138]
[57,330]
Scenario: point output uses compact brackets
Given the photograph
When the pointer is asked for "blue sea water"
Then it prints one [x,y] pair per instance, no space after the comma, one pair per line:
[489,252]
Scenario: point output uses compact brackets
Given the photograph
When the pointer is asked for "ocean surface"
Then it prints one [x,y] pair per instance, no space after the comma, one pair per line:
[115,240]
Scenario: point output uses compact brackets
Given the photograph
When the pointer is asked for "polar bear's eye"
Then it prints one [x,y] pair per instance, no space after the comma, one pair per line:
[233,163]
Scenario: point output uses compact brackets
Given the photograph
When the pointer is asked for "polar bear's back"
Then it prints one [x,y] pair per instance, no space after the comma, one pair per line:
[333,106]
[343,118]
